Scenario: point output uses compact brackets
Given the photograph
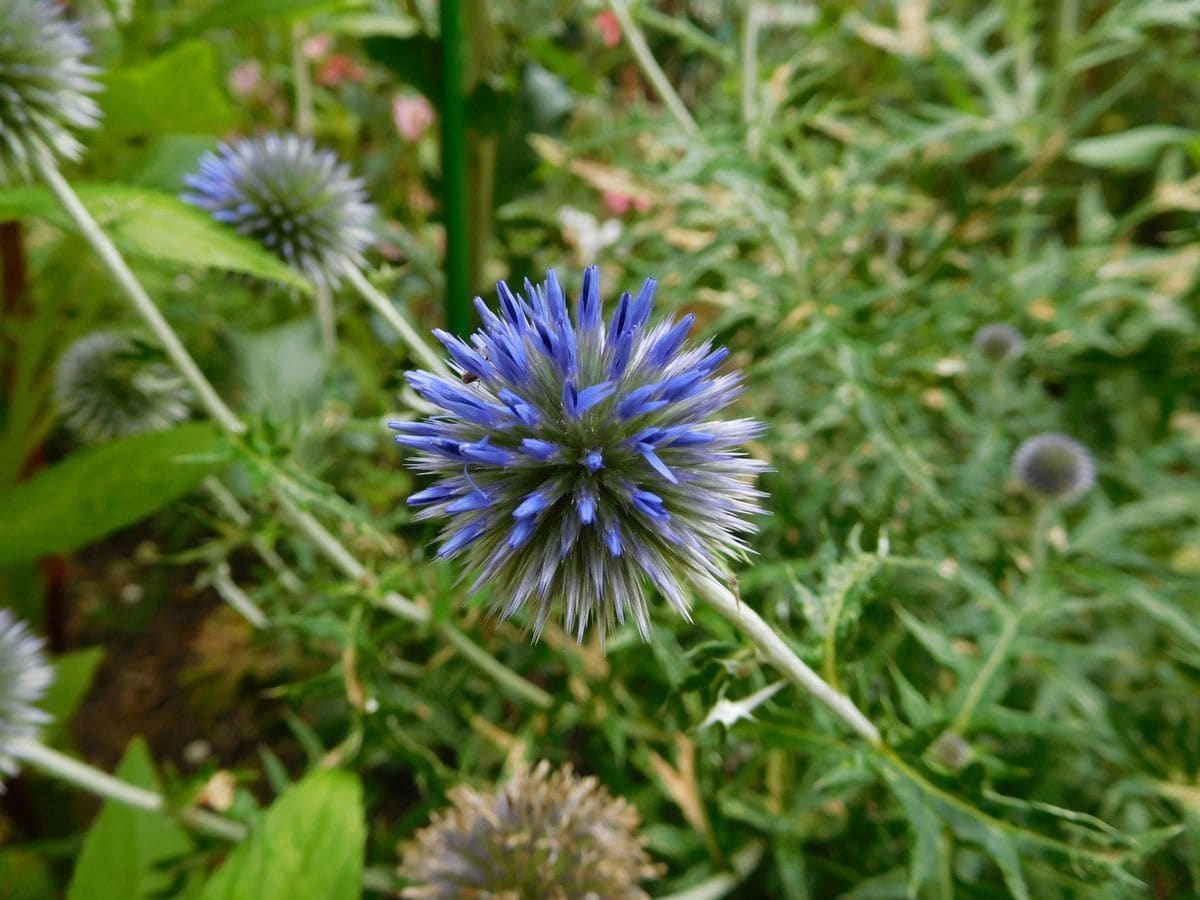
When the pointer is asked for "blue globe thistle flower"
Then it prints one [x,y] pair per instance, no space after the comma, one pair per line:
[578,459]
[44,86]
[998,342]
[110,384]
[553,836]
[296,200]
[24,677]
[1054,467]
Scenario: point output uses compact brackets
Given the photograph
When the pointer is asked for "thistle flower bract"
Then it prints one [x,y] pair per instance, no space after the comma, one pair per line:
[578,459]
[111,385]
[296,200]
[541,836]
[44,86]
[998,342]
[24,677]
[1054,467]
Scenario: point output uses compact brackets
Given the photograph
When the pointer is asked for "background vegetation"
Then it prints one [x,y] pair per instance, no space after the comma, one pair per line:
[843,194]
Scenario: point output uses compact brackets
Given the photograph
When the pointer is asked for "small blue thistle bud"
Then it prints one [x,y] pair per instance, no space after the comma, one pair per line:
[24,677]
[1054,467]
[296,200]
[541,835]
[998,343]
[578,458]
[110,385]
[44,86]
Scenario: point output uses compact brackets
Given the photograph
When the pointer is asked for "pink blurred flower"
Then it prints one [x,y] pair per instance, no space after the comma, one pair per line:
[317,46]
[245,78]
[608,26]
[339,68]
[618,204]
[412,115]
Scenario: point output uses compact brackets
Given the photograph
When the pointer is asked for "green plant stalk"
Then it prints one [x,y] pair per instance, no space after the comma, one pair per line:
[302,82]
[326,319]
[454,169]
[229,505]
[742,863]
[112,260]
[223,583]
[773,647]
[387,311]
[997,656]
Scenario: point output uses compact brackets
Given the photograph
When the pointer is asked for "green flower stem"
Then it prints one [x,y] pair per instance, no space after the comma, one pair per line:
[999,653]
[326,319]
[112,260]
[742,863]
[229,505]
[455,201]
[724,601]
[302,82]
[652,70]
[404,608]
[223,583]
[89,778]
[387,310]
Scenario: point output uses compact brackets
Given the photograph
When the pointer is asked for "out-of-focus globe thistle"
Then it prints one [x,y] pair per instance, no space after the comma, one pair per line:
[577,460]
[998,342]
[296,200]
[110,384]
[44,86]
[1054,467]
[950,751]
[541,836]
[24,677]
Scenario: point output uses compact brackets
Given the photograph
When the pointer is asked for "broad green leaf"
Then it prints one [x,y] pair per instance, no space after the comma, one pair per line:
[125,847]
[73,674]
[309,846]
[223,13]
[158,226]
[145,99]
[97,490]
[361,25]
[1132,149]
[283,369]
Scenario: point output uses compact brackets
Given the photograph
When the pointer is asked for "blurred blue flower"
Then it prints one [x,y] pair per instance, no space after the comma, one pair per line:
[1054,467]
[24,677]
[998,342]
[578,459]
[44,85]
[296,200]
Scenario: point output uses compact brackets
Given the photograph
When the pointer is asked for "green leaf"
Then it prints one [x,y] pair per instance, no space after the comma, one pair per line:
[222,13]
[125,847]
[158,226]
[283,369]
[310,845]
[1130,150]
[145,99]
[73,674]
[100,489]
[24,875]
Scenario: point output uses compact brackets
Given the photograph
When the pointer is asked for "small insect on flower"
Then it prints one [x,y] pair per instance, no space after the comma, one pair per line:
[582,458]
[110,384]
[299,202]
[1054,467]
[24,677]
[44,86]
[541,836]
[998,342]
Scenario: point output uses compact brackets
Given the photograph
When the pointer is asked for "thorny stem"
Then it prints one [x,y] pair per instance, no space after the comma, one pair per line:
[387,310]
[326,319]
[112,260]
[721,598]
[651,69]
[241,517]
[224,585]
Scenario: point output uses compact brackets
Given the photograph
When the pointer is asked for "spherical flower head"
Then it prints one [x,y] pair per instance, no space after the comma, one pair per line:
[110,385]
[950,751]
[24,677]
[296,200]
[998,343]
[1054,467]
[577,460]
[541,836]
[44,86]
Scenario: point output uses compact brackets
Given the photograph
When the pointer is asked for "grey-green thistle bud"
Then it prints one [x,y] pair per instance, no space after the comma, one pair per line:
[44,86]
[998,343]
[24,677]
[1054,467]
[950,751]
[110,385]
[541,836]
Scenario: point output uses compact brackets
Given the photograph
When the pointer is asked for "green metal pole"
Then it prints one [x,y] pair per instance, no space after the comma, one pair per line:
[454,170]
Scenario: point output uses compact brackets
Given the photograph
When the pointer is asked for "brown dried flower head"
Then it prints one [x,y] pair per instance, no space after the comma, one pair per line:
[541,836]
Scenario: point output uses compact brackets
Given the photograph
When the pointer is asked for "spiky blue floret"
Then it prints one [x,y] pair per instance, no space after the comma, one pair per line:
[24,677]
[580,460]
[1054,467]
[44,85]
[296,200]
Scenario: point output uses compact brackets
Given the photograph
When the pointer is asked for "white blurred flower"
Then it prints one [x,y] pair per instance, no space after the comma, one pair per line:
[586,235]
